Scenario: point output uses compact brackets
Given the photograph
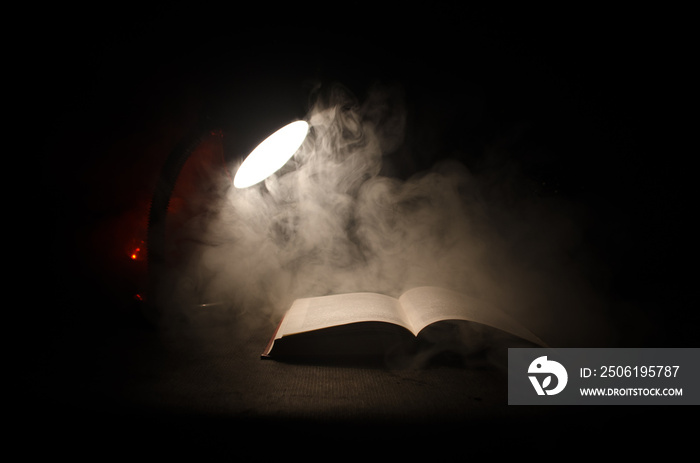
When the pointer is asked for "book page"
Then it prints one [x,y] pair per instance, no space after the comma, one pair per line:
[314,313]
[427,304]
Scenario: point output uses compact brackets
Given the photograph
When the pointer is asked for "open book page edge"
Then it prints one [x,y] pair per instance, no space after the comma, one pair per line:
[266,353]
[296,320]
[522,332]
[293,319]
[479,311]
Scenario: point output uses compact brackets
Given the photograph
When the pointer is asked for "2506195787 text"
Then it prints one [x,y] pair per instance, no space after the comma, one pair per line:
[627,371]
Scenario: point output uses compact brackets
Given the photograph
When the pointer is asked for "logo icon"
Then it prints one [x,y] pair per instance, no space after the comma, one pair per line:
[545,369]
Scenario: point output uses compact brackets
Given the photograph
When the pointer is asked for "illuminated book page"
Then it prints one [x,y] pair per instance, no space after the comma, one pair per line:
[425,305]
[341,309]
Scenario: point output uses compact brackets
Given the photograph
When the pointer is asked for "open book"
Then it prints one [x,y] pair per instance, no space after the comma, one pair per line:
[364,324]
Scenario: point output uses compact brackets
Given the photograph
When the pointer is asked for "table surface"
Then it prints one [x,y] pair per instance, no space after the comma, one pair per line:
[203,377]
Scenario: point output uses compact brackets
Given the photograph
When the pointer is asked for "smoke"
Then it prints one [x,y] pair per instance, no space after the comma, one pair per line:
[330,223]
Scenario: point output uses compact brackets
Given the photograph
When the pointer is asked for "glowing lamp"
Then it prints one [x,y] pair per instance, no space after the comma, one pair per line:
[270,155]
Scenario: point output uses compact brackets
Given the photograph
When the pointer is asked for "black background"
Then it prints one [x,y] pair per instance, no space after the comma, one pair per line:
[590,103]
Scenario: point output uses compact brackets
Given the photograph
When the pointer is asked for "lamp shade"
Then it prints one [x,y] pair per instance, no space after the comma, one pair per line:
[270,155]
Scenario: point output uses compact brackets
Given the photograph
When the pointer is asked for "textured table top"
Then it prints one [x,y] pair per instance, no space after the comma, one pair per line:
[204,380]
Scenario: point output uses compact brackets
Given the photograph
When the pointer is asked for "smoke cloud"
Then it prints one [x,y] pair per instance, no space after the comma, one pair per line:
[332,222]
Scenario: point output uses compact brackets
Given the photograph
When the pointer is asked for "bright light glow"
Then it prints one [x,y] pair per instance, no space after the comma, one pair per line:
[271,154]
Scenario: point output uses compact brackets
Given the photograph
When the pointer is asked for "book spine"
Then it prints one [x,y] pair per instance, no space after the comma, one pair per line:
[266,353]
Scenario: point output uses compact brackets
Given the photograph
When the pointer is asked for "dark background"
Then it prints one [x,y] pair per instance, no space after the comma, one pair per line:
[589,104]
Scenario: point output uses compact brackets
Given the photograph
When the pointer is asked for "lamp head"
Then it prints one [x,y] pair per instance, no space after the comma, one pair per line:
[271,155]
